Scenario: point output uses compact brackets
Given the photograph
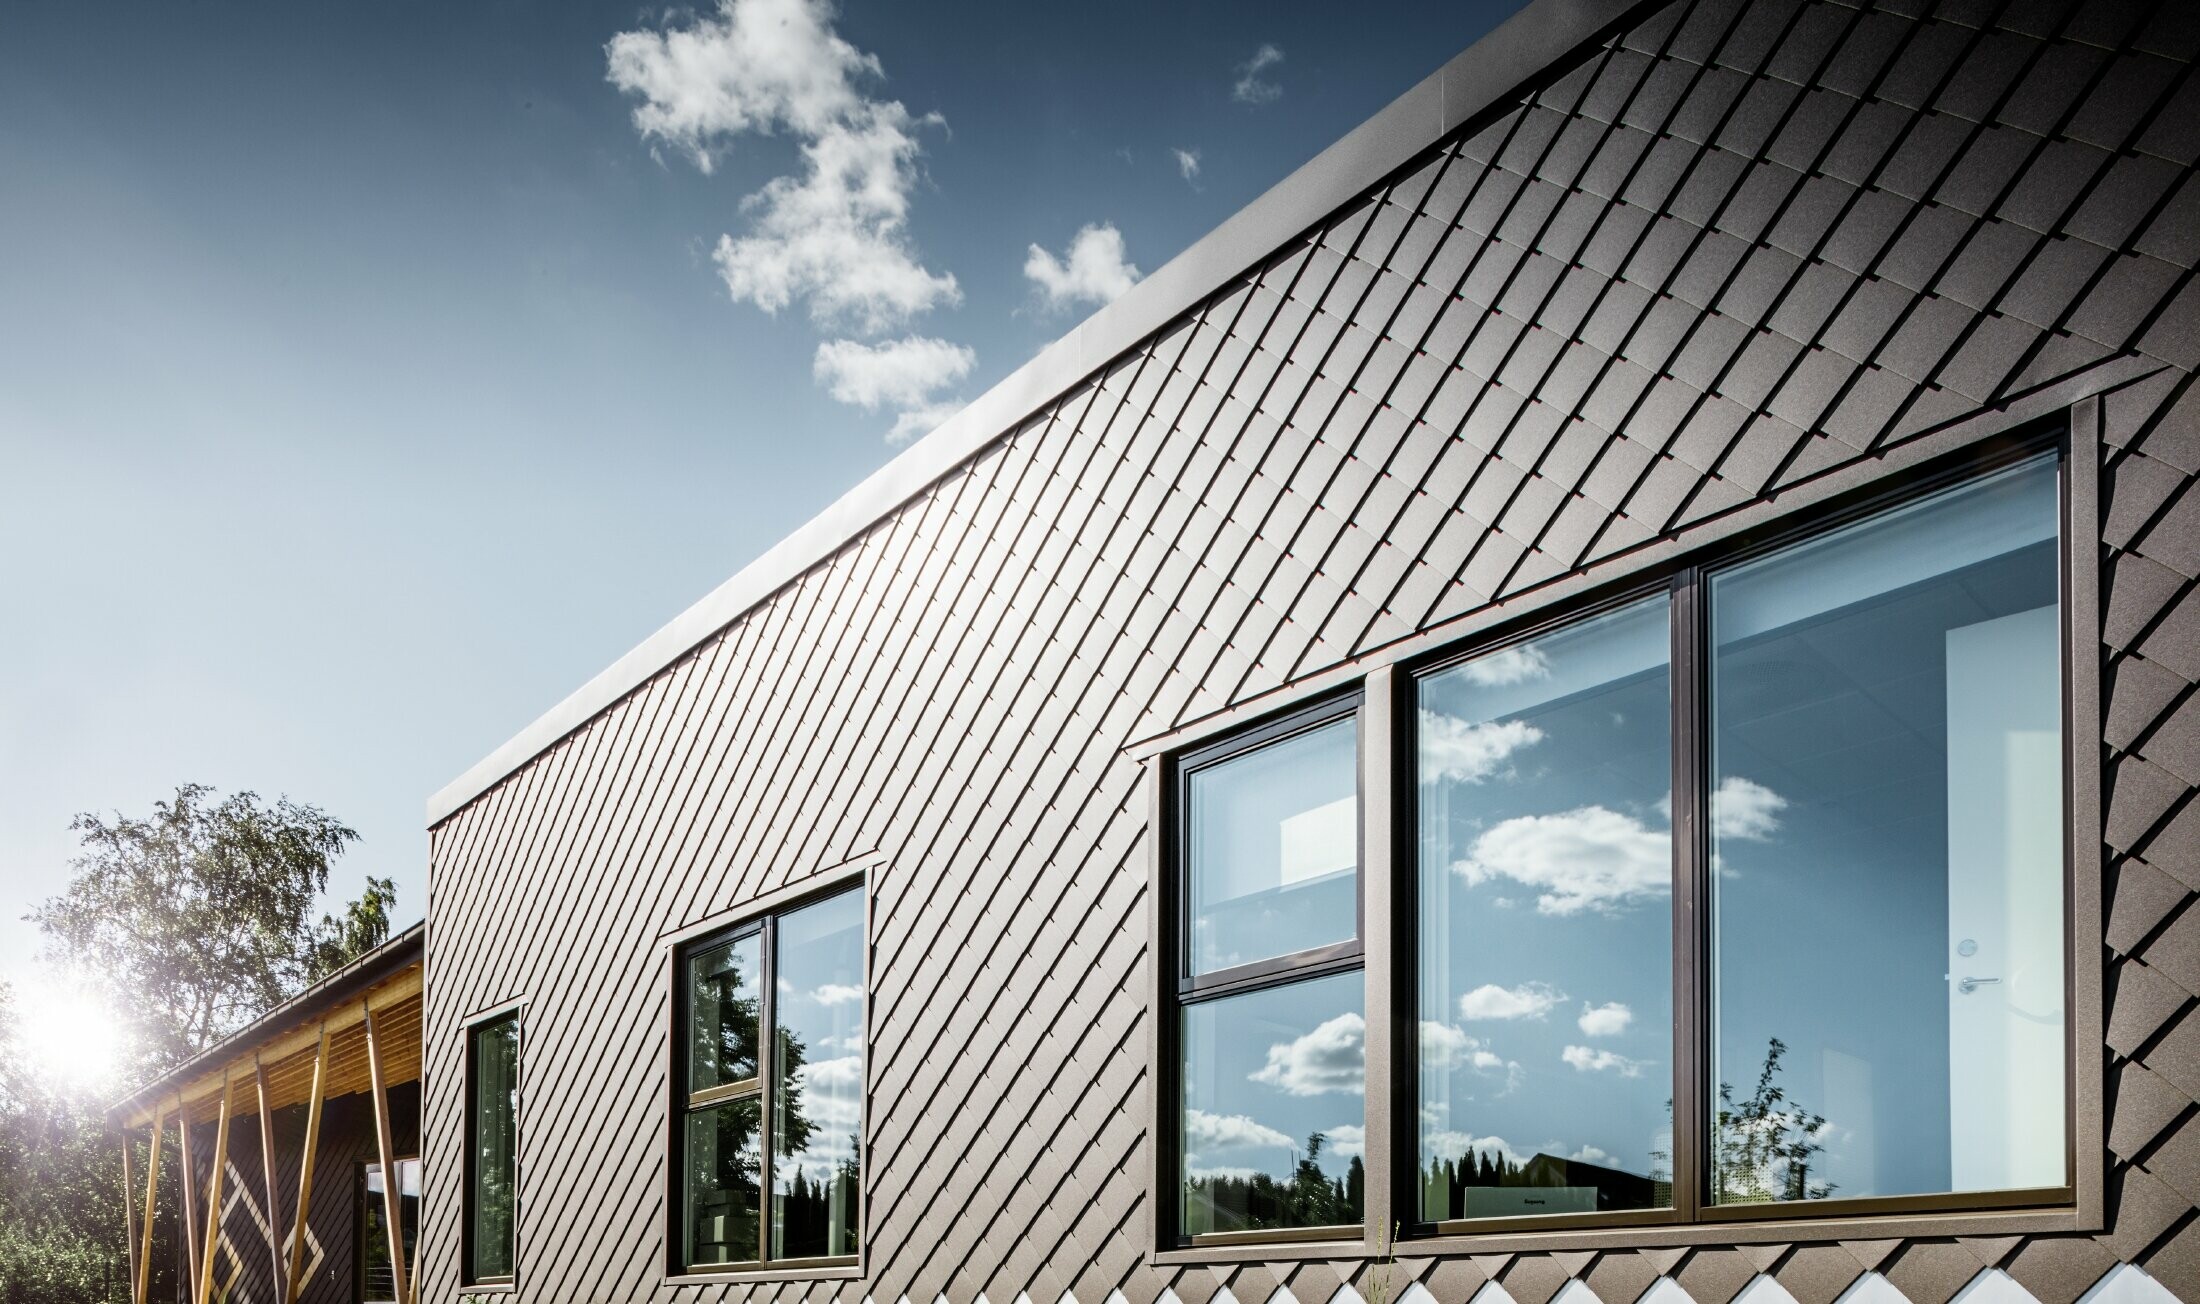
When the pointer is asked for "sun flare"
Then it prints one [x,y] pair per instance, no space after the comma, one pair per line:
[69,1037]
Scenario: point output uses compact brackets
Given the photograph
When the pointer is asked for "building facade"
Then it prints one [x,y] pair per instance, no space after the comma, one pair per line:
[1594,695]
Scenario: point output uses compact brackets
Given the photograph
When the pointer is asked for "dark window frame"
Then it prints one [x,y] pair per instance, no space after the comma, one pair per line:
[761,921]
[362,1210]
[469,1278]
[1174,943]
[1389,820]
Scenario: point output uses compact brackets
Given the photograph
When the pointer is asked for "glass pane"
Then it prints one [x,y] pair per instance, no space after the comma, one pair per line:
[723,991]
[1275,850]
[494,1199]
[377,1283]
[1546,917]
[724,1160]
[1887,831]
[817,1115]
[1274,1108]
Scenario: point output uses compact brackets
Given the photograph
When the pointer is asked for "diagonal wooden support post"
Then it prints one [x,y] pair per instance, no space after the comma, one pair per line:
[214,1196]
[142,1285]
[267,1176]
[129,1205]
[393,1195]
[291,1283]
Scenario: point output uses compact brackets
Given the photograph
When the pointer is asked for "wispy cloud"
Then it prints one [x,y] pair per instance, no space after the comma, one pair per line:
[1526,1001]
[833,235]
[1094,269]
[905,375]
[1589,1060]
[1606,1020]
[1251,86]
[1331,1058]
[1469,751]
[1187,163]
[1209,1131]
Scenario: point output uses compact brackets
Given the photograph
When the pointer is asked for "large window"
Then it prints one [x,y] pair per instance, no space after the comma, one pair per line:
[492,1149]
[794,983]
[1270,1031]
[1742,896]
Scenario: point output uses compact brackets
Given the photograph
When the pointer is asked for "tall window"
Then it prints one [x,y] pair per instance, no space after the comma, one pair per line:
[793,983]
[1546,927]
[1270,1030]
[377,1280]
[492,1148]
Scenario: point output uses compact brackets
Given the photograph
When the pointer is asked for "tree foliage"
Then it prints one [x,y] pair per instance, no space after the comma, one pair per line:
[197,918]
[202,913]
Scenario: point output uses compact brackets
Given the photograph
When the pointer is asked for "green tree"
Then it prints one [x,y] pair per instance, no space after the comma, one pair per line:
[1763,1146]
[203,913]
[200,918]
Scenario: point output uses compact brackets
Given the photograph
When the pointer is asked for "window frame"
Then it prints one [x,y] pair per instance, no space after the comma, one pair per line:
[1682,570]
[363,1211]
[761,920]
[1173,945]
[469,1278]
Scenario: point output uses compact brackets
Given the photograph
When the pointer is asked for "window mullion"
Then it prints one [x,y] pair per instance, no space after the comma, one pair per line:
[766,1071]
[1390,1042]
[1691,897]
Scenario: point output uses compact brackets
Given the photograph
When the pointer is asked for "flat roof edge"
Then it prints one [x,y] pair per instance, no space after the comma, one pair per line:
[1493,68]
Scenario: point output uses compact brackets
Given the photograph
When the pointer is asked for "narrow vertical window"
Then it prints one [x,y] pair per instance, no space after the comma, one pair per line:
[1545,955]
[492,1148]
[1887,855]
[773,1038]
[1271,1028]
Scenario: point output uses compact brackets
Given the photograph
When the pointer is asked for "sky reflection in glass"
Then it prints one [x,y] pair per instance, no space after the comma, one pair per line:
[1275,849]
[1886,713]
[1274,1107]
[1546,924]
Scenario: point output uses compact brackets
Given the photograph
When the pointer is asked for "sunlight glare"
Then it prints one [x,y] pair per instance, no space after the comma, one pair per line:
[69,1037]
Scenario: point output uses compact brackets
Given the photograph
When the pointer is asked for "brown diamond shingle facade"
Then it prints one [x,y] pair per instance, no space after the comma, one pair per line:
[1721,260]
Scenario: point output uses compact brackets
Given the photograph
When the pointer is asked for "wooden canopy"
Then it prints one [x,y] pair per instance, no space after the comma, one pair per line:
[357,1030]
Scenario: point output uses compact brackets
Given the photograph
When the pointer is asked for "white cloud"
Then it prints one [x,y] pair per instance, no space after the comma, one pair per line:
[903,373]
[1345,1140]
[1251,87]
[1468,751]
[1742,808]
[1527,1001]
[1187,163]
[1094,270]
[834,234]
[1205,1131]
[1200,1173]
[1331,1058]
[1590,858]
[922,421]
[1513,665]
[1591,1155]
[1590,1060]
[1606,1020]
[1444,1046]
[1453,1145]
[836,994]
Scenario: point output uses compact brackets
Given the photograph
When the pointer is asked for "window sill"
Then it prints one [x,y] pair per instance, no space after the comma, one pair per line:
[488,1288]
[1988,1222]
[848,1271]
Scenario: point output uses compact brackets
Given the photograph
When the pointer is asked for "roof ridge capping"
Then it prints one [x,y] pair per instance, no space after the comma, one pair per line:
[1539,35]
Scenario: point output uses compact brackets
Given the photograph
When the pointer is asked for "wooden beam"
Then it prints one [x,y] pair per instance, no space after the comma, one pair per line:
[214,1199]
[291,1282]
[129,1205]
[393,1195]
[143,1283]
[267,1176]
[190,1193]
[398,989]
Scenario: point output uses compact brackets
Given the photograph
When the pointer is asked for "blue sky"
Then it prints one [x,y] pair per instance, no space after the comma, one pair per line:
[368,381]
